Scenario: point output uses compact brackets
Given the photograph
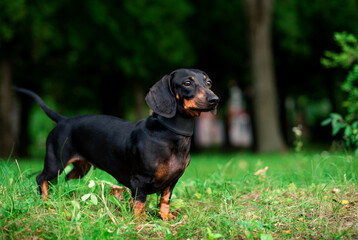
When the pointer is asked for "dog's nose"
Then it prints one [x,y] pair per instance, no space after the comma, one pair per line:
[213,100]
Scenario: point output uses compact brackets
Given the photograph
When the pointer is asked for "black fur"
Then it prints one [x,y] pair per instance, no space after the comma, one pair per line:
[146,156]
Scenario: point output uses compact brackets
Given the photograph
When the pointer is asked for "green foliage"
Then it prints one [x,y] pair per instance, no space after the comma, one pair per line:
[349,54]
[298,22]
[350,130]
[288,22]
[348,59]
[13,15]
[68,45]
[161,36]
[133,36]
[12,12]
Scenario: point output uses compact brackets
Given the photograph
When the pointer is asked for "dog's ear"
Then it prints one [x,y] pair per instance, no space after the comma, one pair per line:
[161,99]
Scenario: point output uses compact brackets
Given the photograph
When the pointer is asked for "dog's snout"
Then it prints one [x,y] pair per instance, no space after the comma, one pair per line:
[213,100]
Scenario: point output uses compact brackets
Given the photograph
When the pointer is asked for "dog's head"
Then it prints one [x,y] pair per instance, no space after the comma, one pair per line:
[184,90]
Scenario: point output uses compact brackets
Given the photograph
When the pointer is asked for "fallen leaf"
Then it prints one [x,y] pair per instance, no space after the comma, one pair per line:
[335,190]
[345,202]
[94,199]
[86,196]
[288,231]
[261,171]
[91,184]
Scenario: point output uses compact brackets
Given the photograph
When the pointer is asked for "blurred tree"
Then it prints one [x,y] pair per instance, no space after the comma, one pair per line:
[217,30]
[12,16]
[103,53]
[115,49]
[302,31]
[269,136]
[153,42]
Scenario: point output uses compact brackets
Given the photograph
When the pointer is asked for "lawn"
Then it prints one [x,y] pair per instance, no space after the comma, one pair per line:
[220,196]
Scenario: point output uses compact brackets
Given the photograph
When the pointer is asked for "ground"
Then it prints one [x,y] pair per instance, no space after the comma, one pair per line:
[220,196]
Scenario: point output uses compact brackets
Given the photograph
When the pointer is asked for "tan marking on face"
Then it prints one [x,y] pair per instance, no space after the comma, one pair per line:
[44,188]
[204,77]
[191,104]
[164,205]
[177,96]
[192,78]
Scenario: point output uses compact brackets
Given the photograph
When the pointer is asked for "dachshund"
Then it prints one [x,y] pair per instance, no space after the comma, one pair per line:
[147,156]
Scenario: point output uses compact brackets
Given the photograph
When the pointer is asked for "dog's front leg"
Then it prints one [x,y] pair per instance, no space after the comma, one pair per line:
[139,207]
[164,205]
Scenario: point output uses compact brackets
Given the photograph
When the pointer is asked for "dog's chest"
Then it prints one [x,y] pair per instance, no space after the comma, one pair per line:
[171,169]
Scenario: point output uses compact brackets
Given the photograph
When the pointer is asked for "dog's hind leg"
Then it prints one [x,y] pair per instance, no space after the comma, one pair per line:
[43,185]
[43,180]
[80,168]
[51,170]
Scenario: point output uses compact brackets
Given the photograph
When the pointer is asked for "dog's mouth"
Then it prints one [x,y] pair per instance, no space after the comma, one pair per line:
[196,106]
[202,109]
[213,110]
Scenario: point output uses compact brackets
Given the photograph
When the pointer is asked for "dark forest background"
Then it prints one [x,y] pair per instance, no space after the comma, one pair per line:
[99,56]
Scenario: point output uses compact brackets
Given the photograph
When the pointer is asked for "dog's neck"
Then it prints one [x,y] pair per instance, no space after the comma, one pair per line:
[178,124]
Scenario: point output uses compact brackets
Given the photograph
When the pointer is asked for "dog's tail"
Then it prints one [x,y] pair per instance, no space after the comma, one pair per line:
[56,117]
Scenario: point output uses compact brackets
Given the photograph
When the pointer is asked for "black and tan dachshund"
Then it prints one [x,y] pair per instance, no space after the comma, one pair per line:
[147,156]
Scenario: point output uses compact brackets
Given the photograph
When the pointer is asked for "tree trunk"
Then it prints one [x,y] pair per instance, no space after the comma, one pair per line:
[266,114]
[6,133]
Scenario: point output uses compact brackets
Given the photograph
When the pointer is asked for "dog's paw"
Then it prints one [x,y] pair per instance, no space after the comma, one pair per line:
[167,216]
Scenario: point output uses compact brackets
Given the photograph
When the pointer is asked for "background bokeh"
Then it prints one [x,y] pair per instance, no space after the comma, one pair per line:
[100,56]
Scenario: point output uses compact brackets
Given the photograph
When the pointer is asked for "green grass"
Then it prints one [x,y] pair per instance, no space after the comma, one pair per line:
[301,196]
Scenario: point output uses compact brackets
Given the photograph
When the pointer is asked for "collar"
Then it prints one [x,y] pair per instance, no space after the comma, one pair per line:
[178,124]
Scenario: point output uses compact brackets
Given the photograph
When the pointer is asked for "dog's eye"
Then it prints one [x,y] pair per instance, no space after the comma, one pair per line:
[209,83]
[187,83]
